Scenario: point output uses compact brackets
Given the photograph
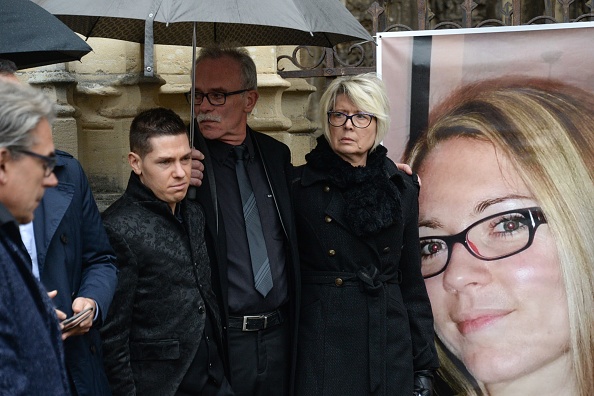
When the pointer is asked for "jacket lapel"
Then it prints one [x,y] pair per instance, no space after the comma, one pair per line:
[48,217]
[276,180]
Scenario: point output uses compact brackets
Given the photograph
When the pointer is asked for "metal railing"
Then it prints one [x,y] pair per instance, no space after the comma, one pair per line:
[361,57]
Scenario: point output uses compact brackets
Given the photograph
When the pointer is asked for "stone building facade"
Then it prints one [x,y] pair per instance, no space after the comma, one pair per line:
[98,98]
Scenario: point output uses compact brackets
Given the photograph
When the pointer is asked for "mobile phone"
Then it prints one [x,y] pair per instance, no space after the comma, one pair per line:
[75,320]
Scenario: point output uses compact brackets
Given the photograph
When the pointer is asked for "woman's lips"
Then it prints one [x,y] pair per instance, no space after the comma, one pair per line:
[479,321]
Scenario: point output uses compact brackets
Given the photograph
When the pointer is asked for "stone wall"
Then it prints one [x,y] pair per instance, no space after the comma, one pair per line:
[98,98]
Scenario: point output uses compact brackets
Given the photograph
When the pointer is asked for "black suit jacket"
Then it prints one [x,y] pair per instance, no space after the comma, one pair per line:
[276,159]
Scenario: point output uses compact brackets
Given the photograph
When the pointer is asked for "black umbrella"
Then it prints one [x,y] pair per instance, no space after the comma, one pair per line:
[322,23]
[30,36]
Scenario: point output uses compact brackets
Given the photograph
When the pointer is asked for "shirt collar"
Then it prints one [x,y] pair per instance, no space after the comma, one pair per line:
[221,152]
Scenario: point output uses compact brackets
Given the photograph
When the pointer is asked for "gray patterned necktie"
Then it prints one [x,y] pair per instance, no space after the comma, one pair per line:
[253,226]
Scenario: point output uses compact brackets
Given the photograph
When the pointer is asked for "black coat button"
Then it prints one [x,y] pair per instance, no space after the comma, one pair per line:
[201,309]
[386,249]
[64,238]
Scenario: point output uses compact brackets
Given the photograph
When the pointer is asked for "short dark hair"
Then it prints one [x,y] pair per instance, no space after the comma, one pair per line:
[7,66]
[153,122]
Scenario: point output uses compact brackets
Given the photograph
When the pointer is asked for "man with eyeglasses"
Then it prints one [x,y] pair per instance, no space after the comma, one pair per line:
[31,352]
[71,255]
[250,230]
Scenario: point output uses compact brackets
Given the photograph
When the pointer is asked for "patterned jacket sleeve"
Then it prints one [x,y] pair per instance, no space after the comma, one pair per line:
[115,333]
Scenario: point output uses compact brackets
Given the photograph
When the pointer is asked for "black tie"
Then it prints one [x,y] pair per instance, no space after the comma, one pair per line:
[253,226]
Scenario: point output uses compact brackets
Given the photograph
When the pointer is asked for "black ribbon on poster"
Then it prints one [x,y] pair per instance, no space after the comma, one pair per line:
[421,73]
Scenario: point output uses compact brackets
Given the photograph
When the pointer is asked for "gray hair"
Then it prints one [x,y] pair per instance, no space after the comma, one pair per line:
[249,75]
[367,92]
[21,110]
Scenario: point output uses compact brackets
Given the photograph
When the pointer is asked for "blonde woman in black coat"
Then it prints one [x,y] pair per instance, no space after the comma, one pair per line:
[366,326]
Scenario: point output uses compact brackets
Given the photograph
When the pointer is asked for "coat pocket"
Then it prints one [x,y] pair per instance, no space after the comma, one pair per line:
[154,350]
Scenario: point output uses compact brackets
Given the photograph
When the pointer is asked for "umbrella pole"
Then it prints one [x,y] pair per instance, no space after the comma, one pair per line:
[192,189]
[193,87]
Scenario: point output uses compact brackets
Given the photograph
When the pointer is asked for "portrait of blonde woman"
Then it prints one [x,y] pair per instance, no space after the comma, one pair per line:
[506,225]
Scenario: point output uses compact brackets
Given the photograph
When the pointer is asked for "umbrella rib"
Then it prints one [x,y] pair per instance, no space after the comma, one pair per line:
[93,27]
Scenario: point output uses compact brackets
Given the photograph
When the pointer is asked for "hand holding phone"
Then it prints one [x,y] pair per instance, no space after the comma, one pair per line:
[75,320]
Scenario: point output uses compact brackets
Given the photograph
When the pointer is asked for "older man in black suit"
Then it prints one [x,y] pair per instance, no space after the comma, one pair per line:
[259,301]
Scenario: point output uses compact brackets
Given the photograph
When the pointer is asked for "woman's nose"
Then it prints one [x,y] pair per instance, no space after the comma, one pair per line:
[464,270]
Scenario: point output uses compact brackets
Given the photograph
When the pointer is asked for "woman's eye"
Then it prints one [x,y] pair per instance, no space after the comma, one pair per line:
[429,248]
[508,225]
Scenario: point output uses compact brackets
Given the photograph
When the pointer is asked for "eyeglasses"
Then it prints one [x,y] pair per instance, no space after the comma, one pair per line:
[49,163]
[492,238]
[214,98]
[359,120]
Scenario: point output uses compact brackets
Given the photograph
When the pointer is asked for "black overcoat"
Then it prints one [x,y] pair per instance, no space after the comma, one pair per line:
[366,322]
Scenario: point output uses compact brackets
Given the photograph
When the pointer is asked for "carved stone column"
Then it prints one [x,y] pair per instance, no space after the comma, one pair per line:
[58,84]
[111,91]
[298,107]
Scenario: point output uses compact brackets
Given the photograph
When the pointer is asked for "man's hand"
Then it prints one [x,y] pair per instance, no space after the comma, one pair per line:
[197,168]
[404,168]
[408,170]
[83,327]
[61,315]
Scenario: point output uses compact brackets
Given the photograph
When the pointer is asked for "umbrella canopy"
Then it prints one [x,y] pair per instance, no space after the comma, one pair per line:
[30,36]
[322,23]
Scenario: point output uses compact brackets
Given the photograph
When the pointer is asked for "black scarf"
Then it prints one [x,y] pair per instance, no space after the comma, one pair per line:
[372,199]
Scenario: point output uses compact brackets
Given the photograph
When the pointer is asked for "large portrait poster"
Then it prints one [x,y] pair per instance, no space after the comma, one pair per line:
[420,68]
[499,125]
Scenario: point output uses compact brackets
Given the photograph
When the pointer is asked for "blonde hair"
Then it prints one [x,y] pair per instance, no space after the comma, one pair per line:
[367,92]
[546,129]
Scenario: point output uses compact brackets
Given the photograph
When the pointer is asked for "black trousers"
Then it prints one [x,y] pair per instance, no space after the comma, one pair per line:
[260,361]
[211,389]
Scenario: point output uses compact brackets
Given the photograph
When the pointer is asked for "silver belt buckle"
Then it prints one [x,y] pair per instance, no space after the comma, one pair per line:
[246,318]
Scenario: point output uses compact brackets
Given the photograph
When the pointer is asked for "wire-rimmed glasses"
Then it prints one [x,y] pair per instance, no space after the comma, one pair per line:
[359,120]
[492,238]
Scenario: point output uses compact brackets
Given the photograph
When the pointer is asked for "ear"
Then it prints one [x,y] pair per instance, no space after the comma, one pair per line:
[135,162]
[4,159]
[251,99]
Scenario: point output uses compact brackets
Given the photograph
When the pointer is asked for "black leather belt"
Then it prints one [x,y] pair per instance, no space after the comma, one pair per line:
[258,322]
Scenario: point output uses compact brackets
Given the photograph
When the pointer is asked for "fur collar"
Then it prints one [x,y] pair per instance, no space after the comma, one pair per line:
[372,199]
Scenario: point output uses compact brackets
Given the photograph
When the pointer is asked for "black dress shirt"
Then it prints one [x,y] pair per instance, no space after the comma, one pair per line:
[244,299]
